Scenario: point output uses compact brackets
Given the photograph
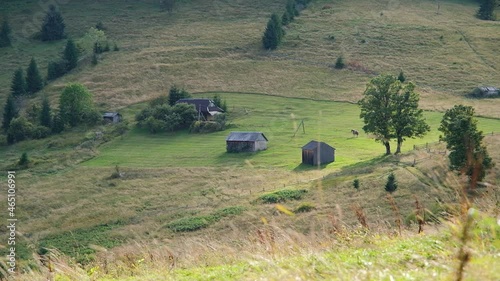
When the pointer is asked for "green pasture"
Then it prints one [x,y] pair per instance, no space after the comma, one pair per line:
[279,119]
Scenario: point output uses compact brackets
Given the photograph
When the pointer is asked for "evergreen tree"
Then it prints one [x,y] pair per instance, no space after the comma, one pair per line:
[70,55]
[391,184]
[34,81]
[9,112]
[285,19]
[273,34]
[18,86]
[176,94]
[57,123]
[46,114]
[339,63]
[487,10]
[291,10]
[5,34]
[401,77]
[52,26]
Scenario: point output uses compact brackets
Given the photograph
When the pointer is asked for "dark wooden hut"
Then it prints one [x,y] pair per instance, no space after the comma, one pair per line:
[246,142]
[112,117]
[317,153]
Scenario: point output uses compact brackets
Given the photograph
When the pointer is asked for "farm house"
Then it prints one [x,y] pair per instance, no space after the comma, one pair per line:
[206,108]
[112,117]
[246,142]
[317,153]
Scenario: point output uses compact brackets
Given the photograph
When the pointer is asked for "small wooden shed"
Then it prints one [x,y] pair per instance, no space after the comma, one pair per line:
[246,142]
[317,153]
[112,117]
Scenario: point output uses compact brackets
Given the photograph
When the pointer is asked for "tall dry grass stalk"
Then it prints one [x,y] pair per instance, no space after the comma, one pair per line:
[419,215]
[396,212]
[360,215]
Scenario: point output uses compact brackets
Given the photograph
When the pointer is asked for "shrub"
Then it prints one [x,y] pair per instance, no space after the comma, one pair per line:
[56,69]
[339,64]
[190,223]
[229,211]
[40,132]
[305,207]
[24,160]
[355,183]
[283,195]
[401,77]
[20,129]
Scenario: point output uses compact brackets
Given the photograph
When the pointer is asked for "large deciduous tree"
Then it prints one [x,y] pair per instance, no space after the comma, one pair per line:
[52,26]
[390,110]
[34,81]
[407,119]
[76,106]
[467,152]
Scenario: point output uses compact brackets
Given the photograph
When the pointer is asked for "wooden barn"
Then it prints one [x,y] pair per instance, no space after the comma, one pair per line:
[317,153]
[112,117]
[206,108]
[246,142]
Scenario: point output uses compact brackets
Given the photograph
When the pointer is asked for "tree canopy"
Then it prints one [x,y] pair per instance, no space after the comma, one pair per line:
[176,94]
[390,110]
[467,152]
[9,112]
[76,106]
[273,33]
[487,10]
[18,86]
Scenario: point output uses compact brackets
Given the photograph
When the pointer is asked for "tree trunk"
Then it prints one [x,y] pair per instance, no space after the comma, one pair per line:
[398,148]
[387,148]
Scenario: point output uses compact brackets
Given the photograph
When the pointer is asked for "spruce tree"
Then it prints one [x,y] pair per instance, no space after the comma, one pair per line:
[24,160]
[18,86]
[339,63]
[273,34]
[391,184]
[34,81]
[401,77]
[9,112]
[5,34]
[487,9]
[285,19]
[71,55]
[46,114]
[291,10]
[52,26]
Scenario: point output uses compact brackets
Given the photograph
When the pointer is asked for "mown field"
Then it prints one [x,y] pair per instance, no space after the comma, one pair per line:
[279,119]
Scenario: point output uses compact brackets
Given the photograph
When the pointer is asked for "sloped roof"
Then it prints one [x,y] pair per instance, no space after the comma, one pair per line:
[203,105]
[246,136]
[488,89]
[312,145]
[110,114]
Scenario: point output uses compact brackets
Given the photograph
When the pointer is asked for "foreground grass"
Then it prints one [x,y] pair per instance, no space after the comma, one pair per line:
[279,119]
[355,254]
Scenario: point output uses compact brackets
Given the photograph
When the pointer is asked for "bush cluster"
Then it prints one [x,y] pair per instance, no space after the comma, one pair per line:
[282,196]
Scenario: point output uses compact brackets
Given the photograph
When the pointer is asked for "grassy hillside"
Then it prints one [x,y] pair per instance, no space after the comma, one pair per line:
[215,46]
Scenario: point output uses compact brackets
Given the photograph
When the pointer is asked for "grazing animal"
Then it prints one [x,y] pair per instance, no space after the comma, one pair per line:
[355,132]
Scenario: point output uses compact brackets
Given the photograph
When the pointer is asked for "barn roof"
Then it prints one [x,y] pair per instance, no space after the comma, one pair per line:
[312,145]
[246,136]
[488,89]
[203,105]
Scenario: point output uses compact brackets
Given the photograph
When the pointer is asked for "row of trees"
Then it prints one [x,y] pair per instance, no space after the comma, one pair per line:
[274,30]
[76,107]
[389,109]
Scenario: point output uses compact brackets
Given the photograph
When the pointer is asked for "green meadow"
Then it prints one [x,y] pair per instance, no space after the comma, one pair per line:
[279,119]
